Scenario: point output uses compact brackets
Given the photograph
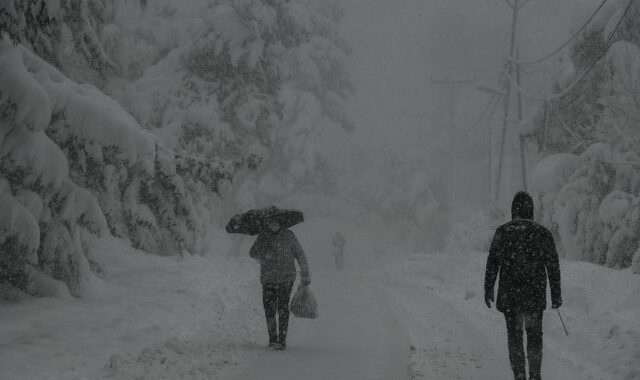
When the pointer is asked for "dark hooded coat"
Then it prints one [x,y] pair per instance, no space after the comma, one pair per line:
[523,254]
[277,253]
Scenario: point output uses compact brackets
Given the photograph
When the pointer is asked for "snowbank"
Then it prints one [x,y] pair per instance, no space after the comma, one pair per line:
[588,202]
[600,309]
[143,317]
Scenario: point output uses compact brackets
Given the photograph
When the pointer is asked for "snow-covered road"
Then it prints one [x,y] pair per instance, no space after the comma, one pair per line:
[417,318]
[355,337]
[387,330]
[454,336]
[451,344]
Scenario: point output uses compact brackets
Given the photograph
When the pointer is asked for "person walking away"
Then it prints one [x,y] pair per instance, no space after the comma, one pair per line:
[338,243]
[523,254]
[276,249]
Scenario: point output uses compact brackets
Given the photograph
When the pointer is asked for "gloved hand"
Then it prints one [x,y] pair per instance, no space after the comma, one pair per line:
[305,282]
[488,298]
[556,302]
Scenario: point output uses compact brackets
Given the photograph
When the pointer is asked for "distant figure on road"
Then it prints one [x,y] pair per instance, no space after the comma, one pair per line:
[276,249]
[524,254]
[338,243]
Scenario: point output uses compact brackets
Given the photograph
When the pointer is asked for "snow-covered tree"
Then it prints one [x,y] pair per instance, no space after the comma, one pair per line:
[591,139]
[71,34]
[249,81]
[76,161]
[212,90]
[35,171]
[590,201]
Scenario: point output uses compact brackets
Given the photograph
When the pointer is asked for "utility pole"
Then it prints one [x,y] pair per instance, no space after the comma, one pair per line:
[512,68]
[523,159]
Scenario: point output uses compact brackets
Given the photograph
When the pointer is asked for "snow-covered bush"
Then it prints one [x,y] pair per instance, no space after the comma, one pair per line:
[620,213]
[591,140]
[589,202]
[547,178]
[68,153]
[576,206]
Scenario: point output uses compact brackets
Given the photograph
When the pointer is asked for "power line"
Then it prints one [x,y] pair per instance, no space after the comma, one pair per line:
[485,127]
[586,72]
[573,134]
[494,97]
[569,88]
[567,42]
[596,61]
[624,15]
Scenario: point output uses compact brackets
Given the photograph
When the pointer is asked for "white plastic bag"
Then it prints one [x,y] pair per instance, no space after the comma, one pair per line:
[303,304]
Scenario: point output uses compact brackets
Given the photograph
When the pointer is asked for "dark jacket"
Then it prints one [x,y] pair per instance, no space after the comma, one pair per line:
[276,253]
[524,254]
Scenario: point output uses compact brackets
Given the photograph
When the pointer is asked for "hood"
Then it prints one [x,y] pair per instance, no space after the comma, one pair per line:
[522,206]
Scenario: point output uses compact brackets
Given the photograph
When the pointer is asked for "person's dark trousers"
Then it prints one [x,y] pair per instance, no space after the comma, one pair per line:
[275,298]
[532,323]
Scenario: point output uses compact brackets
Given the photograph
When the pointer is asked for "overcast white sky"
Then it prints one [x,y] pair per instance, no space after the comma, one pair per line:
[399,44]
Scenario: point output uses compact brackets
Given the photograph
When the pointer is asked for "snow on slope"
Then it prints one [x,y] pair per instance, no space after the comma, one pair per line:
[601,308]
[151,317]
[146,317]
